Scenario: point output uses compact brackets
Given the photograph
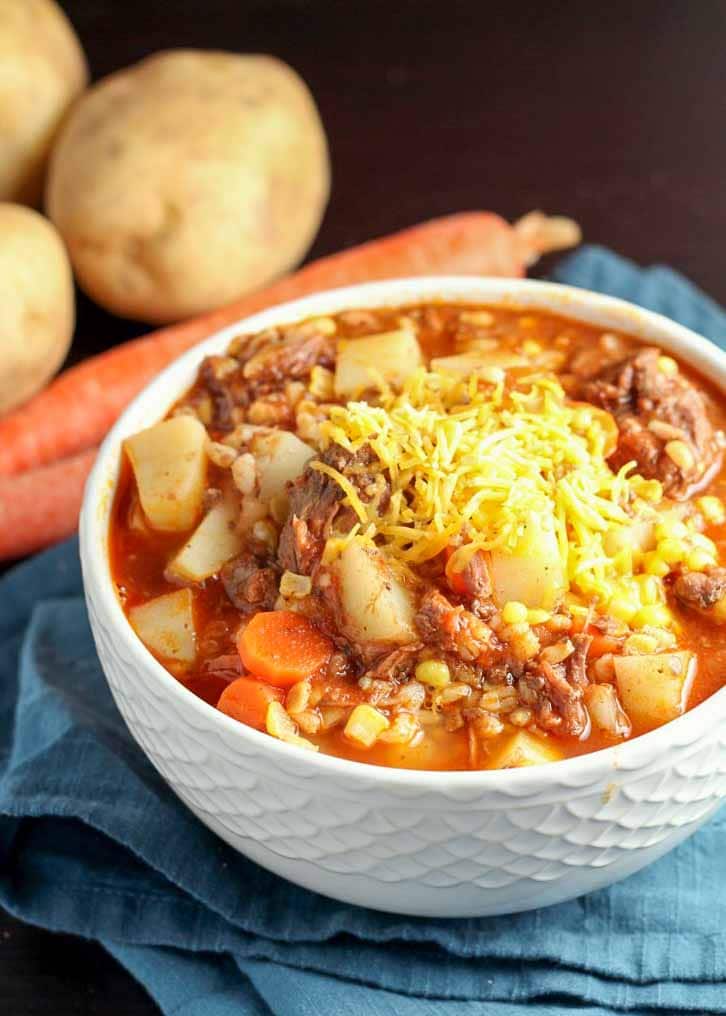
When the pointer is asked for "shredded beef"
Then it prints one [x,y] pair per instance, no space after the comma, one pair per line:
[701,590]
[290,360]
[453,629]
[315,502]
[554,691]
[249,586]
[651,408]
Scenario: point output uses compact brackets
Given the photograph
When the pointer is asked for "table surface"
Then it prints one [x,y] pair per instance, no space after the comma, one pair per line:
[616,119]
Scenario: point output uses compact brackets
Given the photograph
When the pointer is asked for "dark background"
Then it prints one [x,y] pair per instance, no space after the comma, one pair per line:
[614,114]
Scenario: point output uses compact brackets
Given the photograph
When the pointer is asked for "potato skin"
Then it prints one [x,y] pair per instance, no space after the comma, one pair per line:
[43,70]
[37,303]
[188,180]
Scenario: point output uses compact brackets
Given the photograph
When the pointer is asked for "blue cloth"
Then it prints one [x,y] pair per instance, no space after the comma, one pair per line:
[93,842]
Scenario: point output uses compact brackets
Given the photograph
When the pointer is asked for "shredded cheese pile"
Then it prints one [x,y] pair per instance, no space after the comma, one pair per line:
[473,463]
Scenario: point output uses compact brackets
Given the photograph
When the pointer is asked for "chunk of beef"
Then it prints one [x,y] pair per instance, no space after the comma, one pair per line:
[315,502]
[474,581]
[554,691]
[453,629]
[653,408]
[292,359]
[214,375]
[249,586]
[701,590]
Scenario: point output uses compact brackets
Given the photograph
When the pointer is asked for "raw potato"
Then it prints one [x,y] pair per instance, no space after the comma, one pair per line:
[188,180]
[166,625]
[170,464]
[523,749]
[37,305]
[390,355]
[214,541]
[43,70]
[376,606]
[654,689]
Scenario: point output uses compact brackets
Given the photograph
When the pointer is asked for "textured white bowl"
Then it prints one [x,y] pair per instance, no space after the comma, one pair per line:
[430,843]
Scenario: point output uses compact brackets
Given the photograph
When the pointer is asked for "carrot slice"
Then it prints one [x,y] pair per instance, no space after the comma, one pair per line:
[41,507]
[77,409]
[283,647]
[247,699]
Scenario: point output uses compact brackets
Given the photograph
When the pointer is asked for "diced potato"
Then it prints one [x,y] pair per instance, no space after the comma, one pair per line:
[166,625]
[215,540]
[654,688]
[280,457]
[605,710]
[362,362]
[532,574]
[638,537]
[376,606]
[169,462]
[464,364]
[523,749]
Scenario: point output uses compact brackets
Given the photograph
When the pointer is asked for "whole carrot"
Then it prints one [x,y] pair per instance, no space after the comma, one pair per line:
[41,507]
[77,409]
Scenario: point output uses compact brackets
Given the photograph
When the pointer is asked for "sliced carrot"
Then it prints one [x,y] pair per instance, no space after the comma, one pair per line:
[41,507]
[247,699]
[602,644]
[77,409]
[283,647]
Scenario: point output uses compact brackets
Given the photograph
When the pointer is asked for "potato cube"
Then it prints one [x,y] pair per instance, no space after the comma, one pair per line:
[166,626]
[654,688]
[476,361]
[215,540]
[532,574]
[523,749]
[362,362]
[169,462]
[376,606]
[280,457]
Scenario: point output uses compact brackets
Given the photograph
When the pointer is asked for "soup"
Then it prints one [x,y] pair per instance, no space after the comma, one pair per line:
[437,537]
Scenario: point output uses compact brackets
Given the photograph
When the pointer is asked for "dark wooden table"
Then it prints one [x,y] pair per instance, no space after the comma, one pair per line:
[612,114]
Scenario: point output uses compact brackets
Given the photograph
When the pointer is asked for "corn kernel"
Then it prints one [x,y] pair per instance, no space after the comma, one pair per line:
[650,490]
[434,673]
[667,365]
[623,609]
[699,560]
[655,565]
[295,586]
[671,529]
[650,589]
[530,347]
[514,612]
[671,550]
[656,614]
[712,509]
[639,644]
[321,382]
[364,725]
[538,616]
[679,453]
[703,543]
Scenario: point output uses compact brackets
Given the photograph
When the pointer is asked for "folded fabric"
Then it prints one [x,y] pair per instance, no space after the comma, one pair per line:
[93,842]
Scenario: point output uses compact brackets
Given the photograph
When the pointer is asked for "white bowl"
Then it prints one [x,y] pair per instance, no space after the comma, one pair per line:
[430,843]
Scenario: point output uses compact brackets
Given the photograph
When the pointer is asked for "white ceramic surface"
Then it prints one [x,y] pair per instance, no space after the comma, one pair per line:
[441,844]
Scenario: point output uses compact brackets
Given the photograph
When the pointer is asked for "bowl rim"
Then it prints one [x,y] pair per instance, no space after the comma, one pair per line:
[170,383]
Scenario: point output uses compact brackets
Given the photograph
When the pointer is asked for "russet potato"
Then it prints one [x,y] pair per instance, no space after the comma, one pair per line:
[187,180]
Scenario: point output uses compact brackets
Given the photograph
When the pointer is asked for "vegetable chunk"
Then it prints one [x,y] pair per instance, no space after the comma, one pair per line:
[654,688]
[523,749]
[280,457]
[376,606]
[166,626]
[215,540]
[283,647]
[247,700]
[361,363]
[169,463]
[533,573]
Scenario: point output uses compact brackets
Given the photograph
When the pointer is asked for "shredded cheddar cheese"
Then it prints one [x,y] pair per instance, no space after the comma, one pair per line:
[472,463]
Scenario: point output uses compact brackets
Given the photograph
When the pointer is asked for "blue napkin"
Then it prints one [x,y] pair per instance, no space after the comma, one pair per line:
[93,842]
